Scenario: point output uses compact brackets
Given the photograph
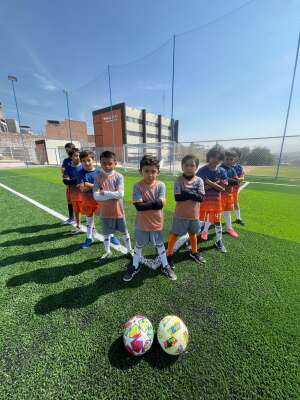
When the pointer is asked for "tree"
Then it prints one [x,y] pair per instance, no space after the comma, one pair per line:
[260,156]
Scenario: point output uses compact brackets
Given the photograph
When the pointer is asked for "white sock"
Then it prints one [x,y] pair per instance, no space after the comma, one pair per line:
[90,226]
[218,230]
[107,243]
[162,254]
[127,241]
[137,256]
[227,217]
[237,213]
[206,226]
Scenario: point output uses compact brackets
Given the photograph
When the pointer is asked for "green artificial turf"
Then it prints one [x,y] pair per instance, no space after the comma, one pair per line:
[62,311]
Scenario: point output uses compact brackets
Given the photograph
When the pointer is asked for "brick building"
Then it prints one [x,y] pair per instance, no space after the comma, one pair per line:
[60,130]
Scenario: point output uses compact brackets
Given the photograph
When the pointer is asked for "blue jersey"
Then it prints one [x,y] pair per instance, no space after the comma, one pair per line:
[66,163]
[217,175]
[89,177]
[231,174]
[73,172]
[239,170]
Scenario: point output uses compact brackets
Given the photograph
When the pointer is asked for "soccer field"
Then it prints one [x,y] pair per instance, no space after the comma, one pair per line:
[62,311]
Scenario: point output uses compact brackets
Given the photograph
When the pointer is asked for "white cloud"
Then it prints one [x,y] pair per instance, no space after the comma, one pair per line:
[46,83]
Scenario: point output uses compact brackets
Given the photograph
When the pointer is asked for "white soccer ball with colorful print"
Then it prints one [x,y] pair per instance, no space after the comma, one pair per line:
[173,335]
[138,335]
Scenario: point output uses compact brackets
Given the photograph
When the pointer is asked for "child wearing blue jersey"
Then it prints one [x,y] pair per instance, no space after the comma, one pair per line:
[215,180]
[67,162]
[70,176]
[241,177]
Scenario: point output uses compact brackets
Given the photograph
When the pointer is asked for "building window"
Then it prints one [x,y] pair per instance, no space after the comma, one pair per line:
[134,120]
[133,133]
[149,123]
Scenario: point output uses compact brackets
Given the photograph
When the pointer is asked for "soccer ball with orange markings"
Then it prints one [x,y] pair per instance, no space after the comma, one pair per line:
[138,335]
[173,335]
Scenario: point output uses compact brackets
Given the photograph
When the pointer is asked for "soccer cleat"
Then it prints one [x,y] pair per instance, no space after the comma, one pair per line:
[204,235]
[169,273]
[114,241]
[232,233]
[131,271]
[220,246]
[240,222]
[171,261]
[87,243]
[76,230]
[69,221]
[106,255]
[198,258]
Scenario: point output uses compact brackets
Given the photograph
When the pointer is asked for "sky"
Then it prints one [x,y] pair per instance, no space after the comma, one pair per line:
[233,62]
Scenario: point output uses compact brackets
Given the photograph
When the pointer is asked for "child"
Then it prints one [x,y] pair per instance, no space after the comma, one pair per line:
[189,193]
[109,192]
[241,177]
[70,179]
[149,199]
[227,195]
[86,180]
[66,162]
[215,179]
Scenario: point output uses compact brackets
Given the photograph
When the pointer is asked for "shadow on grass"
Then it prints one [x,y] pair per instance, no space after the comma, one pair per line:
[39,255]
[84,295]
[56,274]
[27,241]
[31,228]
[155,357]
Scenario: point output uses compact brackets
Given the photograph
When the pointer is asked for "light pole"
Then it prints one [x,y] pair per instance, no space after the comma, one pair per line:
[13,79]
[67,100]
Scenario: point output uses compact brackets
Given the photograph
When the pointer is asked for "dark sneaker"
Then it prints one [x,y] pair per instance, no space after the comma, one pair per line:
[240,222]
[169,273]
[114,241]
[198,258]
[220,246]
[171,261]
[131,271]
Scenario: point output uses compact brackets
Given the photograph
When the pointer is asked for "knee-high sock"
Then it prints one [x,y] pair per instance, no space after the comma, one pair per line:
[227,217]
[162,254]
[218,229]
[127,241]
[171,243]
[90,225]
[193,240]
[107,243]
[137,256]
[206,226]
[237,212]
[70,210]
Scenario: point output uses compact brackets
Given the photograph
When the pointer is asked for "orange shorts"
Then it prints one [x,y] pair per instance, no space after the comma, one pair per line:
[77,206]
[227,201]
[214,217]
[235,194]
[68,194]
[89,208]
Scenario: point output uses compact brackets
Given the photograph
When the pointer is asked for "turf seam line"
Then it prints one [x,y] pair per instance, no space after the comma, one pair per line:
[56,214]
[275,184]
[244,186]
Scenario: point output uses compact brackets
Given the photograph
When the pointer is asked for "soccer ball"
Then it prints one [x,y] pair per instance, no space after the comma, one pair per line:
[138,335]
[172,335]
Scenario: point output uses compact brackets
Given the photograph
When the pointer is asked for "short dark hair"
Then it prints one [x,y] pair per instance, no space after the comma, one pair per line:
[69,145]
[191,157]
[230,153]
[216,152]
[149,160]
[108,154]
[73,150]
[87,153]
[237,151]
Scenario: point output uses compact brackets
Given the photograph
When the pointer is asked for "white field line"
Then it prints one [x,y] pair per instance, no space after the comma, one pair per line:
[244,186]
[56,214]
[275,184]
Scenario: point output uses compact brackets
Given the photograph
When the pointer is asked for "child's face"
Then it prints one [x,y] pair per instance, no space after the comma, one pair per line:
[149,173]
[67,150]
[229,161]
[189,168]
[75,158]
[108,164]
[213,162]
[88,163]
